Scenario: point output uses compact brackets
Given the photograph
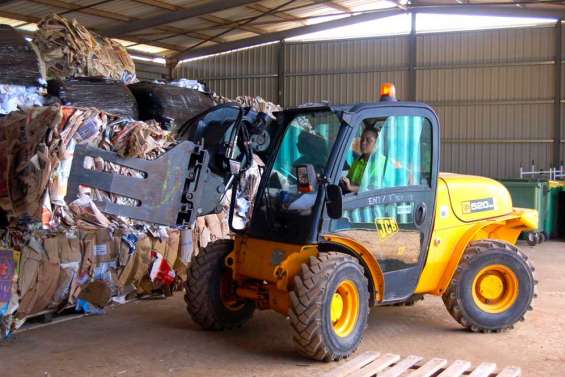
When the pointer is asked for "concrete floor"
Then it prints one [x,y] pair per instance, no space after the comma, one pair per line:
[157,338]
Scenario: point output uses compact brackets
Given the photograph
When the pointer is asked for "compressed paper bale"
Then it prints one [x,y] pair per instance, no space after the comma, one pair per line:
[70,50]
[214,226]
[20,63]
[168,104]
[173,246]
[42,290]
[70,255]
[106,95]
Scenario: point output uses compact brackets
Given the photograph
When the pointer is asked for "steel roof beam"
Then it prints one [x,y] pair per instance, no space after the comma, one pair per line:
[167,18]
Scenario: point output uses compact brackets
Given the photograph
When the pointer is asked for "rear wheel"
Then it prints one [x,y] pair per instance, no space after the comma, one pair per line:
[329,306]
[210,296]
[493,287]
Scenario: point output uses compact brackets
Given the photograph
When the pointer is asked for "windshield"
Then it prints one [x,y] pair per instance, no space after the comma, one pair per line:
[308,139]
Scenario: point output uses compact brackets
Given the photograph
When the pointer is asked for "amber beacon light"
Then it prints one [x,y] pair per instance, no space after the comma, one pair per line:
[388,92]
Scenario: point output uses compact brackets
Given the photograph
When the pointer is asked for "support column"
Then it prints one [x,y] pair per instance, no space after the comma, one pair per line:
[280,73]
[412,59]
[171,64]
[557,106]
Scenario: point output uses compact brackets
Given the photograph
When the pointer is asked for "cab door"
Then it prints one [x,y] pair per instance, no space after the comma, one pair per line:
[390,207]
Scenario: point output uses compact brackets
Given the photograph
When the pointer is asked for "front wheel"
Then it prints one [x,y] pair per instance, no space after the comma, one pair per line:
[329,306]
[210,296]
[493,287]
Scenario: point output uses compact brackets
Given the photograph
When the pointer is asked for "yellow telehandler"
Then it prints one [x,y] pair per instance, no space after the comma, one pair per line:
[351,212]
[322,254]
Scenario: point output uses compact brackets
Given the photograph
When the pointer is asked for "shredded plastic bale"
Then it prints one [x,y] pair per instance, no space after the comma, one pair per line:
[168,104]
[70,50]
[20,63]
[106,95]
[18,97]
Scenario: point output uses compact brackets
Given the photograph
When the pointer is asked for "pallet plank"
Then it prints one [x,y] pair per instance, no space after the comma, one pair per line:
[376,366]
[510,372]
[401,366]
[483,370]
[429,368]
[353,364]
[456,369]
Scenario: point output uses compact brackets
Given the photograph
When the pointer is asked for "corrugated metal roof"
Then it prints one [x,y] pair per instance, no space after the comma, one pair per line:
[174,37]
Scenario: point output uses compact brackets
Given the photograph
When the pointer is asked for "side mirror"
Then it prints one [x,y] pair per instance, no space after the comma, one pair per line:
[334,201]
[306,176]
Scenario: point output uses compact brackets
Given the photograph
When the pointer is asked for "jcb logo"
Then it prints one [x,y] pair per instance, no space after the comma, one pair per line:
[478,205]
[386,227]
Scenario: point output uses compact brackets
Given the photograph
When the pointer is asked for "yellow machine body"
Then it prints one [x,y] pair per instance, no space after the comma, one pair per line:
[468,208]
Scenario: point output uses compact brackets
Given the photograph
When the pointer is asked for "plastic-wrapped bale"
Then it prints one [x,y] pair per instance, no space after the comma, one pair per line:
[20,63]
[70,50]
[168,104]
[106,95]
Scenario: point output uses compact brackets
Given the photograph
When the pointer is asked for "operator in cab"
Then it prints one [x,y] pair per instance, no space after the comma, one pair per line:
[362,169]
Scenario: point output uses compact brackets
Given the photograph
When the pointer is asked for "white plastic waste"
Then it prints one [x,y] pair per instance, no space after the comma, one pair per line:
[17,97]
[189,84]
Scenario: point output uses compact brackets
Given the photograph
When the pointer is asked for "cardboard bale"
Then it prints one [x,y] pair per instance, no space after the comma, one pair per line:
[20,63]
[65,249]
[70,50]
[168,247]
[100,260]
[138,263]
[39,279]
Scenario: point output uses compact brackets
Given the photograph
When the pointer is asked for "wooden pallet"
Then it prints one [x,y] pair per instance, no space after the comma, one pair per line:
[370,364]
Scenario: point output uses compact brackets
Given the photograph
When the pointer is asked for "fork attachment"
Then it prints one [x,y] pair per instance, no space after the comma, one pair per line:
[168,193]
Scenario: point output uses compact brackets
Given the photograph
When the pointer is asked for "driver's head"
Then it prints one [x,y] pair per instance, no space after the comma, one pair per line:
[368,141]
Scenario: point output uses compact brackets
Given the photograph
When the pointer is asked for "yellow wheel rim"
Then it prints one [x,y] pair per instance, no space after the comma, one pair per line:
[345,308]
[495,289]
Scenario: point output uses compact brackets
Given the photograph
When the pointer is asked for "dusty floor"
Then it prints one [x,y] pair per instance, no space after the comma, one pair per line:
[158,339]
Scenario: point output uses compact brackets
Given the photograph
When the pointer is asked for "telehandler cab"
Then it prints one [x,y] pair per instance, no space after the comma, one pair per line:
[352,212]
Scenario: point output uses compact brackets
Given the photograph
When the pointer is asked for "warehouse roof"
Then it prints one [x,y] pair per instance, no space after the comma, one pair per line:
[181,29]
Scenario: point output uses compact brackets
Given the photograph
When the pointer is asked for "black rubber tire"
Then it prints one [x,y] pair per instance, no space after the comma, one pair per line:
[202,290]
[458,298]
[532,239]
[411,301]
[310,306]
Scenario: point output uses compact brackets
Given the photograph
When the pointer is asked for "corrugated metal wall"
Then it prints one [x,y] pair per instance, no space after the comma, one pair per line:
[252,71]
[150,71]
[493,89]
[494,93]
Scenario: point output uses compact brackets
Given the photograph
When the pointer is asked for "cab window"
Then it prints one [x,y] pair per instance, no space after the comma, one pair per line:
[389,152]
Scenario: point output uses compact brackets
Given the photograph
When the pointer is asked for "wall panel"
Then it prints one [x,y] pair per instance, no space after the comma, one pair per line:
[251,71]
[493,89]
